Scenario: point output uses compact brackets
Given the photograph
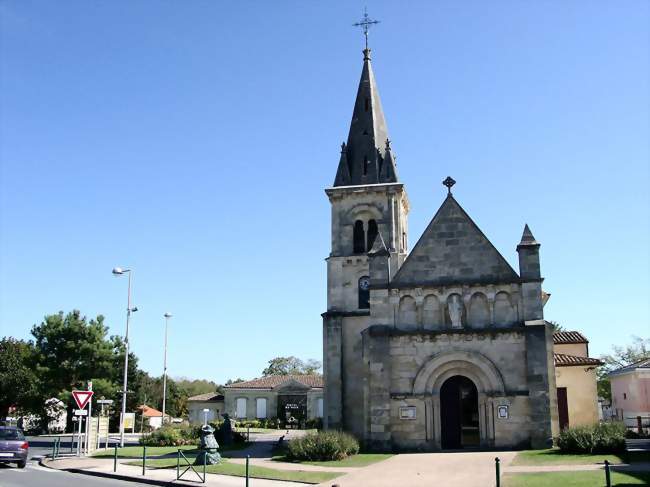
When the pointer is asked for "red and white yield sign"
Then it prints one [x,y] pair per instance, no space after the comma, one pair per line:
[82,398]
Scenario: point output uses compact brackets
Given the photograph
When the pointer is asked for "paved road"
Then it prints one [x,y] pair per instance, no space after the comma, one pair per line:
[36,476]
[39,446]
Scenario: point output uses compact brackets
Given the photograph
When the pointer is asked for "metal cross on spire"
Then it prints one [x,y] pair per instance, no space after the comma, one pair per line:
[449,182]
[366,22]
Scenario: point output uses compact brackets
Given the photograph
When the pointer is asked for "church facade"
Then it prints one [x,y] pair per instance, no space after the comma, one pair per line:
[443,346]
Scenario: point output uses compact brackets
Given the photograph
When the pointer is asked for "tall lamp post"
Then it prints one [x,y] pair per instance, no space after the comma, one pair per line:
[167,316]
[118,271]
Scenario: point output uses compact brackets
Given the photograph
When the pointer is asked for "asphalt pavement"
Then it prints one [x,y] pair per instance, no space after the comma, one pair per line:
[33,475]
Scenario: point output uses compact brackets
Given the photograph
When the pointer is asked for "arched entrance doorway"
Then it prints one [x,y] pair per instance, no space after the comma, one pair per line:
[459,413]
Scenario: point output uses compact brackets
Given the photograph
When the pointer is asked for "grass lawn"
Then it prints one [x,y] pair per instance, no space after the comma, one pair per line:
[155,451]
[360,460]
[136,451]
[574,479]
[554,456]
[238,470]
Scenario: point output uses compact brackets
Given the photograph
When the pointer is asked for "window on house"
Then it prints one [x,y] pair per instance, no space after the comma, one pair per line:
[624,396]
[241,408]
[372,234]
[365,165]
[319,408]
[359,244]
[261,408]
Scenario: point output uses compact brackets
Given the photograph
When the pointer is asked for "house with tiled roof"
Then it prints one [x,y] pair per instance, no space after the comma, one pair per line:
[631,392]
[292,399]
[575,379]
[197,405]
[152,416]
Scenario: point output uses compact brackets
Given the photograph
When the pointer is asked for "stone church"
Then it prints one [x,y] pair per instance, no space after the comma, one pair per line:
[442,346]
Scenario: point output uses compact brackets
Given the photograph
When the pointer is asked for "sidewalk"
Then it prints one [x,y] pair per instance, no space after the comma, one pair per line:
[103,467]
[463,469]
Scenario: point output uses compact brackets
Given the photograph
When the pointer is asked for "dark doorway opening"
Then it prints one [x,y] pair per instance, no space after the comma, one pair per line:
[562,407]
[292,410]
[459,413]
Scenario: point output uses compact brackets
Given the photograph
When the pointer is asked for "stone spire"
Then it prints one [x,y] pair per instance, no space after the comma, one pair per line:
[527,237]
[367,157]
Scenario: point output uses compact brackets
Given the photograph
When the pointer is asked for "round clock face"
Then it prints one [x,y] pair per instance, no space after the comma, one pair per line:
[364,283]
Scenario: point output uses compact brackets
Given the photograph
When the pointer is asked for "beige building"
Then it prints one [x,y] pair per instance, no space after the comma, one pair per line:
[442,346]
[575,379]
[289,398]
[212,401]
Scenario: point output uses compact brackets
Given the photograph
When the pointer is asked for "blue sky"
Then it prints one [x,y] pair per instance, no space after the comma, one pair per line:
[192,141]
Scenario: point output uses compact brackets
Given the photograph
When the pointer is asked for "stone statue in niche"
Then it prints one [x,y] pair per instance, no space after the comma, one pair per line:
[455,307]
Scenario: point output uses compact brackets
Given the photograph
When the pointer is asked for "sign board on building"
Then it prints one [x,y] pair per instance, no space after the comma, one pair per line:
[408,412]
[502,412]
[82,398]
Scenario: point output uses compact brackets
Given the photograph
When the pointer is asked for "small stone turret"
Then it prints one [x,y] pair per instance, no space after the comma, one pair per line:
[379,263]
[531,279]
[528,250]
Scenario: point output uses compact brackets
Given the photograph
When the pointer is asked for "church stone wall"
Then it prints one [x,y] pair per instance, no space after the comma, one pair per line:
[353,375]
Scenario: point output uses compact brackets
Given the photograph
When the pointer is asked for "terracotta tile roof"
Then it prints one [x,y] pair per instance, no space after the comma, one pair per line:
[563,360]
[207,397]
[562,337]
[149,412]
[641,364]
[273,381]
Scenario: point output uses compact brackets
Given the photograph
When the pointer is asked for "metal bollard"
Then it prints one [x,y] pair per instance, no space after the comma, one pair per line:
[115,458]
[144,458]
[608,478]
[497,465]
[248,457]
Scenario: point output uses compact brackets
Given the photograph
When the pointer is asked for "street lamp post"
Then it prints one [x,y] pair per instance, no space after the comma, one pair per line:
[162,422]
[118,271]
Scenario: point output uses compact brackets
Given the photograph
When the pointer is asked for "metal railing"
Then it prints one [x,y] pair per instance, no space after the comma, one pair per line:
[188,465]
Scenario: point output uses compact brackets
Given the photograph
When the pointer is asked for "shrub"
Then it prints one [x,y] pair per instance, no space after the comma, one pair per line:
[314,423]
[170,436]
[322,446]
[596,438]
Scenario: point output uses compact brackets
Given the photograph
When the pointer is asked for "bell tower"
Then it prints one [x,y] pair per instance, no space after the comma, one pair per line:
[368,203]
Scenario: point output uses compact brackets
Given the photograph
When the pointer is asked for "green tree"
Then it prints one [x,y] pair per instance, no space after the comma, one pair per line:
[636,351]
[70,351]
[19,385]
[291,366]
[198,386]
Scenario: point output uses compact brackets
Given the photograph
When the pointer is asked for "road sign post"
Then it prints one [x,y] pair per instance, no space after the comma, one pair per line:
[90,415]
[82,398]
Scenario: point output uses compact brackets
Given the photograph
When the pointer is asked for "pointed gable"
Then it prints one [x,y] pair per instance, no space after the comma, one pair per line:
[453,250]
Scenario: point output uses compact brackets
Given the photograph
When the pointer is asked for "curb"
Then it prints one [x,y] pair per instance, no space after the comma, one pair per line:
[107,475]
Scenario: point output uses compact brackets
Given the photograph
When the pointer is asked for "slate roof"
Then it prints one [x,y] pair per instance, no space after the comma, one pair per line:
[273,381]
[453,250]
[641,364]
[207,397]
[566,337]
[564,360]
[366,158]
